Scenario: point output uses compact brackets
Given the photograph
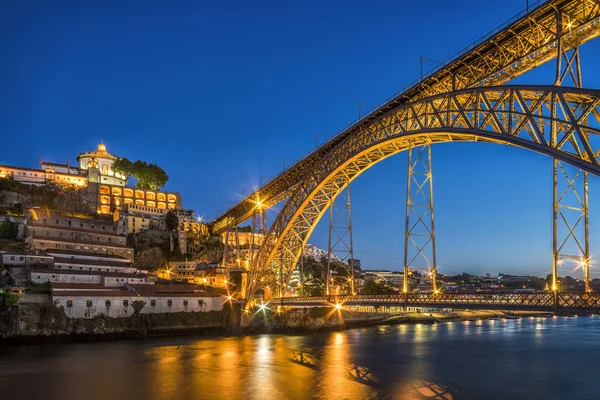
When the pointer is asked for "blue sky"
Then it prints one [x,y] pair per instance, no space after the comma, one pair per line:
[221,93]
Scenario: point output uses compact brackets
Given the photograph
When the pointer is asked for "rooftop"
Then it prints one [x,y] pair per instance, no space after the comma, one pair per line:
[71,228]
[80,261]
[90,242]
[82,272]
[74,254]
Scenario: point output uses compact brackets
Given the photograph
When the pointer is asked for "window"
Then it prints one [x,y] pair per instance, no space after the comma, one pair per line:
[125,303]
[107,303]
[153,303]
[185,302]
[69,303]
[88,303]
[169,303]
[12,257]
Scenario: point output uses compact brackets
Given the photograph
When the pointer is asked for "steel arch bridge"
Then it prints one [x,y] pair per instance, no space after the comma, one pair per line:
[458,102]
[560,122]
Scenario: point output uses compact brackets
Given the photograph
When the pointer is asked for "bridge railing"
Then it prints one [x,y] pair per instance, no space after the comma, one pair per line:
[533,301]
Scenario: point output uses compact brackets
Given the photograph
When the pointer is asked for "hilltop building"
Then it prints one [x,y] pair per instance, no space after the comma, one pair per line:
[94,173]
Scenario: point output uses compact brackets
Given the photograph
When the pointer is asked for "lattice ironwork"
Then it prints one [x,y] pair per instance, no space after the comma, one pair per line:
[509,52]
[546,301]
[340,248]
[232,256]
[540,118]
[419,234]
[570,228]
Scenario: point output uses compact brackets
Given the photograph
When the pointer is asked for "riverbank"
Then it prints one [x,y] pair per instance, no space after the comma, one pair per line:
[44,323]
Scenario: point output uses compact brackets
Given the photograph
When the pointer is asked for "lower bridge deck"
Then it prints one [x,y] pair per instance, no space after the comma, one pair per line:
[546,301]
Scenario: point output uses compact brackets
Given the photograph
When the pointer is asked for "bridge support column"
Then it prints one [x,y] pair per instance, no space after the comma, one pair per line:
[570,242]
[340,248]
[259,230]
[231,251]
[419,236]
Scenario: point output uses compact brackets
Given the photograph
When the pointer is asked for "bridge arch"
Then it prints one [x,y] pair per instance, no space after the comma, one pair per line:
[560,122]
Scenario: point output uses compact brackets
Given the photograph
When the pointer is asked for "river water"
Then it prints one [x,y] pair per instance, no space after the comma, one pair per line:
[528,358]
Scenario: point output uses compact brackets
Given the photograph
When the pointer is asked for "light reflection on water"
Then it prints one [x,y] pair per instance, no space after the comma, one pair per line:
[550,358]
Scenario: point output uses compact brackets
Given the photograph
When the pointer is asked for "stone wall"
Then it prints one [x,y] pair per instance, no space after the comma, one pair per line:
[37,322]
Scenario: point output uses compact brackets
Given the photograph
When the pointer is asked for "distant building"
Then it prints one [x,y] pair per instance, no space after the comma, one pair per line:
[135,218]
[60,232]
[393,278]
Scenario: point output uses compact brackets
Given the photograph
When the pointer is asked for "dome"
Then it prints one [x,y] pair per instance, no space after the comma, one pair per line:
[101,147]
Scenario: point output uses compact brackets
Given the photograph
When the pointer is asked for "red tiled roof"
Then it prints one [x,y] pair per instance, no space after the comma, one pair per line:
[125,293]
[81,261]
[87,253]
[90,286]
[83,272]
[72,229]
[174,290]
[62,240]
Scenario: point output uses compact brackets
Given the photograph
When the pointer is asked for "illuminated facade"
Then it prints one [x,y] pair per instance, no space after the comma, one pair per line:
[116,197]
[31,176]
[94,172]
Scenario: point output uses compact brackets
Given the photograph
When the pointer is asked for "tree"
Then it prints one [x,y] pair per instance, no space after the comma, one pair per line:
[371,286]
[9,230]
[123,166]
[149,176]
[171,220]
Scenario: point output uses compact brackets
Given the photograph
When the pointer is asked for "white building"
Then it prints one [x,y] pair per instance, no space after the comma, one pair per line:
[89,301]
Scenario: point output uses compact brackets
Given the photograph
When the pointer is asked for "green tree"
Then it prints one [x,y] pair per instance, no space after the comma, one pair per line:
[149,176]
[123,166]
[371,286]
[9,230]
[171,220]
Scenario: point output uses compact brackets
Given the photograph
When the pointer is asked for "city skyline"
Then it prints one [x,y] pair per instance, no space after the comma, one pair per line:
[493,203]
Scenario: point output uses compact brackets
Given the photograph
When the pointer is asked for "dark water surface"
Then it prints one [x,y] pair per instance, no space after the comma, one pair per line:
[553,358]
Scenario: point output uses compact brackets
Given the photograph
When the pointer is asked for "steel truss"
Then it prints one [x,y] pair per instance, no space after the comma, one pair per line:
[503,55]
[340,249]
[419,234]
[232,256]
[570,227]
[515,115]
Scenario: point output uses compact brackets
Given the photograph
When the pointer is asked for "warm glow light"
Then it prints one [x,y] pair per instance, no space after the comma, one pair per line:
[230,297]
[338,306]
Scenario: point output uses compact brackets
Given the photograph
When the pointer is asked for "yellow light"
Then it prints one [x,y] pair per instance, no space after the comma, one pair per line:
[230,297]
[338,306]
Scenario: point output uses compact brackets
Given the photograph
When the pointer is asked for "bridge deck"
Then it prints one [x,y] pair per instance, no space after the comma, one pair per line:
[565,301]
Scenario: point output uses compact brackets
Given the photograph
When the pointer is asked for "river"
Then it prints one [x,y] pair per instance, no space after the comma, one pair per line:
[528,358]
